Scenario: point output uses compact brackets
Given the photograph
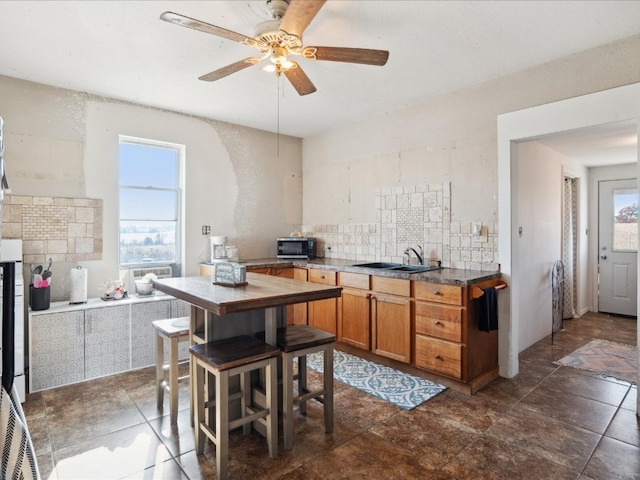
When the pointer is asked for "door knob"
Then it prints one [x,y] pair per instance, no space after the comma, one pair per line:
[603,257]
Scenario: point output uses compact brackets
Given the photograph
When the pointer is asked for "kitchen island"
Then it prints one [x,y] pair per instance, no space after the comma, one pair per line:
[219,311]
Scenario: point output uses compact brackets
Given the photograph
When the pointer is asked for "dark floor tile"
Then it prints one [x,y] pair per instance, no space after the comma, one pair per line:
[474,411]
[39,432]
[631,400]
[368,456]
[488,458]
[576,382]
[546,437]
[78,422]
[614,460]
[82,395]
[110,456]
[625,427]
[361,408]
[178,438]
[432,438]
[574,409]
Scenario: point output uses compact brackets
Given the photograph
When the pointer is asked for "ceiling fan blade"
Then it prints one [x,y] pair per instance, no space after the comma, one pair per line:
[229,69]
[299,80]
[299,15]
[189,22]
[364,56]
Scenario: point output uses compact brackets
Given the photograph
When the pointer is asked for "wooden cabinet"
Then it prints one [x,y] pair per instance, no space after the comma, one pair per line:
[391,318]
[322,314]
[441,329]
[354,319]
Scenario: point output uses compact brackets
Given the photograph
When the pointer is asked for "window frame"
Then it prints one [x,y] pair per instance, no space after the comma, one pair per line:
[179,206]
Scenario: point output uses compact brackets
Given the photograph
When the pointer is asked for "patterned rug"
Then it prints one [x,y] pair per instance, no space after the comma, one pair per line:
[605,358]
[401,389]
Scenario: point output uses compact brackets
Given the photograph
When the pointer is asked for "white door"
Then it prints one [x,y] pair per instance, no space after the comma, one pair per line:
[618,247]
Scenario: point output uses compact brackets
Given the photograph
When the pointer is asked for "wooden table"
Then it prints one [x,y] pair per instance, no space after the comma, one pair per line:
[219,312]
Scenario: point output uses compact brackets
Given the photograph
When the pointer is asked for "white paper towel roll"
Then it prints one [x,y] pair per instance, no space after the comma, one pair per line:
[78,280]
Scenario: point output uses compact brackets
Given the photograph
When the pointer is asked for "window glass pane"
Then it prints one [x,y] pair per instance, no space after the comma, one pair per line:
[146,242]
[148,165]
[625,220]
[142,204]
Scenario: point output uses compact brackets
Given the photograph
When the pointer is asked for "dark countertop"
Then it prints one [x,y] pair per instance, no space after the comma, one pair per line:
[451,276]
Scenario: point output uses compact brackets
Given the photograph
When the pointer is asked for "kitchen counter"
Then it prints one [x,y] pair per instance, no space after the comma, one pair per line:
[451,276]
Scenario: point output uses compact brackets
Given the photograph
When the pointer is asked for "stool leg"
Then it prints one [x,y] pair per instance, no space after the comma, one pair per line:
[287,399]
[245,399]
[173,380]
[328,389]
[198,387]
[272,399]
[302,382]
[159,370]
[222,425]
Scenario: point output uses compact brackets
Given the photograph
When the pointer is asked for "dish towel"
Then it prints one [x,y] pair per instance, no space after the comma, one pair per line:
[488,315]
[18,457]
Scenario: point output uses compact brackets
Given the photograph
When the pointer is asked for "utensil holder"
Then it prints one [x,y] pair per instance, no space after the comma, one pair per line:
[39,298]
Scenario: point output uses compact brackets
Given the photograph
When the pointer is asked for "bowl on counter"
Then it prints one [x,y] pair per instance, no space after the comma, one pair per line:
[144,288]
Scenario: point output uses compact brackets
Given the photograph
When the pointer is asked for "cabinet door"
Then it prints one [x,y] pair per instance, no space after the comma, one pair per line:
[283,272]
[299,310]
[106,341]
[143,335]
[355,315]
[56,349]
[391,317]
[323,313]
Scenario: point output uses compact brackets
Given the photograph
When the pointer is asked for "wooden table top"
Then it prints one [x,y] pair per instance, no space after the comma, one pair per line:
[261,291]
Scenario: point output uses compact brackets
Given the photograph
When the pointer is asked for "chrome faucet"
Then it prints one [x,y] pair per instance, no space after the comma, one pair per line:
[408,251]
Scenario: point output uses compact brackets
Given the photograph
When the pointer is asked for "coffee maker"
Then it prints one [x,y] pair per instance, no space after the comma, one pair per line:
[218,248]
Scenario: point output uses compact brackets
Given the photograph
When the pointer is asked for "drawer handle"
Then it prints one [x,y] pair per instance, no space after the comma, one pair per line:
[438,322]
[437,292]
[438,357]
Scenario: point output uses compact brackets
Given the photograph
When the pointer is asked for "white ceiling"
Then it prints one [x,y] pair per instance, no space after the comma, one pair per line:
[121,49]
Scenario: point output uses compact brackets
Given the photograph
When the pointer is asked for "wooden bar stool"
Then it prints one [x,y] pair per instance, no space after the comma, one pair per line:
[298,341]
[224,359]
[175,330]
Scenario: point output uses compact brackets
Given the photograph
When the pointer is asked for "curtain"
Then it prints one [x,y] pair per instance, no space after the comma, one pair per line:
[569,243]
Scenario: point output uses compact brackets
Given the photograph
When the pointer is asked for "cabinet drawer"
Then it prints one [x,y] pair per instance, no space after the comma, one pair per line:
[354,280]
[322,276]
[439,356]
[439,321]
[438,292]
[263,271]
[392,286]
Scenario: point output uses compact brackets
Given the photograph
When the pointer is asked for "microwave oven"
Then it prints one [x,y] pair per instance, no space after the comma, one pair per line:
[296,247]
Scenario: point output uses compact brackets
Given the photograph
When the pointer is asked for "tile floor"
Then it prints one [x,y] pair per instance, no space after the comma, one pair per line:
[548,422]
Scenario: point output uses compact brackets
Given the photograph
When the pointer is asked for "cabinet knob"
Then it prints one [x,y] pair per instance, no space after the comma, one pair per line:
[438,357]
[437,292]
[438,322]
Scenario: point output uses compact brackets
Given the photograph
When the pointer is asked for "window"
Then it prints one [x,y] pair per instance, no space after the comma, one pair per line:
[625,220]
[149,201]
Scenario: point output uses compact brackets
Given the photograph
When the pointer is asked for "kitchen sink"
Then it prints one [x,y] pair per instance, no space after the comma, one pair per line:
[378,265]
[398,267]
[414,268]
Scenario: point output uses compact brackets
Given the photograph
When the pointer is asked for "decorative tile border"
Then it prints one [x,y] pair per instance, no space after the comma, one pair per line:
[63,229]
[410,216]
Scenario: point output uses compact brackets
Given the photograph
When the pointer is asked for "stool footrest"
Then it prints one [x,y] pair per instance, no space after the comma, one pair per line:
[309,395]
[248,418]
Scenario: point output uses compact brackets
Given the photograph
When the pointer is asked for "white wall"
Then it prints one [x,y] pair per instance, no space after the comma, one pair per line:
[64,143]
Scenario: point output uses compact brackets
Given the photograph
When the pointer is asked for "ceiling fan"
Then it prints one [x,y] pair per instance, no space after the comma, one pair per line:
[280,38]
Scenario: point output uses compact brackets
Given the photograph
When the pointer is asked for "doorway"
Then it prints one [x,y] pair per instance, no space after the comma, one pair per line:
[618,246]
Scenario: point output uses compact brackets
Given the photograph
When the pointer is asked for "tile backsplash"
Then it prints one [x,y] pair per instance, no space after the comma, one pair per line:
[407,217]
[63,229]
